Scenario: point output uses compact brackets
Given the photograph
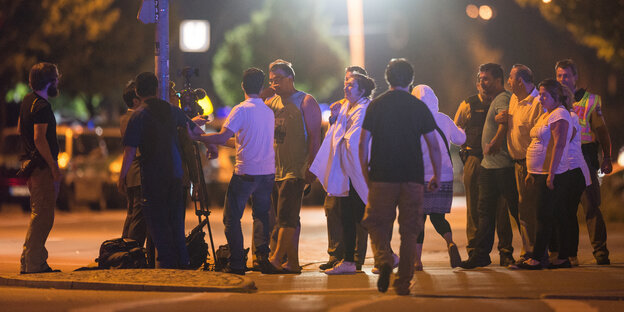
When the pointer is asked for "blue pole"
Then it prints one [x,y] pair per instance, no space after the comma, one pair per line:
[162,47]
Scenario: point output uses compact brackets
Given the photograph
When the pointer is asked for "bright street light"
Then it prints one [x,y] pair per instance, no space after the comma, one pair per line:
[194,36]
[485,11]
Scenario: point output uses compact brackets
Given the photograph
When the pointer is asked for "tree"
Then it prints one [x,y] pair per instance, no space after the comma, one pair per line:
[282,29]
[98,45]
[598,24]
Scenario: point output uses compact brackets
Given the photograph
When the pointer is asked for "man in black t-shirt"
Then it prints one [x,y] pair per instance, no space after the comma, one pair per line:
[37,127]
[392,128]
[153,129]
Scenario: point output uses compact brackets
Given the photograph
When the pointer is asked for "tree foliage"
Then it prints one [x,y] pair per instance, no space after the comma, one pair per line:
[290,30]
[98,44]
[596,23]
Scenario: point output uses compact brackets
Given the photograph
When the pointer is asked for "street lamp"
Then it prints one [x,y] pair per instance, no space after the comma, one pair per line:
[355,17]
[194,35]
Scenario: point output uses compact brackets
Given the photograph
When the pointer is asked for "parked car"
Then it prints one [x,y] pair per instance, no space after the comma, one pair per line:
[12,188]
[90,160]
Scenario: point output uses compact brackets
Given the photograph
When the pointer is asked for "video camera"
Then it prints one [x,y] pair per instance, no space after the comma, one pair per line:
[189,96]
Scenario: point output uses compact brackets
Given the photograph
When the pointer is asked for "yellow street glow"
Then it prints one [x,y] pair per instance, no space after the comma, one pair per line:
[472,11]
[485,11]
[206,105]
[63,160]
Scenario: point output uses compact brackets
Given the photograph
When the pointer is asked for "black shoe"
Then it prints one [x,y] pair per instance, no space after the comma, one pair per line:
[506,260]
[473,262]
[384,278]
[358,267]
[563,265]
[268,268]
[330,264]
[231,270]
[453,256]
[603,261]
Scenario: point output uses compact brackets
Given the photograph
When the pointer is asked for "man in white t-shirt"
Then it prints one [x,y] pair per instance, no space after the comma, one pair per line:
[252,123]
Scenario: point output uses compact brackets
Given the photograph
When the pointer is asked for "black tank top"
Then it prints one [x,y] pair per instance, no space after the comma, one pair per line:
[474,126]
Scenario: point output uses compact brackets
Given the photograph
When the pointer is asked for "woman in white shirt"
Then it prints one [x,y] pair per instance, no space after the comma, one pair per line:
[578,179]
[437,204]
[337,165]
[547,161]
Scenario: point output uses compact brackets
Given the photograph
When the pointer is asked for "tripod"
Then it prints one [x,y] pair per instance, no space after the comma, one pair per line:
[200,198]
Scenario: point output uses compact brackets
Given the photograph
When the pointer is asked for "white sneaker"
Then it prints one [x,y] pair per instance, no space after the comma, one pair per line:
[342,267]
[396,258]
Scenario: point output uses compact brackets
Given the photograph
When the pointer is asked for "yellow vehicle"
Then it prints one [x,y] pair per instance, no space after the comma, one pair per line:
[90,160]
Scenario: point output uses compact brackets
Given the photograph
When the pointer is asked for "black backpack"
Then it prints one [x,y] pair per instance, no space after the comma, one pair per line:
[122,253]
[222,257]
[197,249]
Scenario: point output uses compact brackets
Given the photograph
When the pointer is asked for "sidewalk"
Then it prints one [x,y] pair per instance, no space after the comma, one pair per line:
[134,280]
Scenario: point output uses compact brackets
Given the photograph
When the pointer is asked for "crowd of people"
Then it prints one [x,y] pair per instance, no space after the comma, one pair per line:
[530,155]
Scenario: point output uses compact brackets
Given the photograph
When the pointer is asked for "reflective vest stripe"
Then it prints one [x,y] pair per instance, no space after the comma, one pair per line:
[584,108]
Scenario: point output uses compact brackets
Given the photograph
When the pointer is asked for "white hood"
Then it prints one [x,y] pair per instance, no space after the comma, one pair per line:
[426,94]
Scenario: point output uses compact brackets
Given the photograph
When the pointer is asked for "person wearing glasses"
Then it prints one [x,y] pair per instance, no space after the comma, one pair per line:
[297,140]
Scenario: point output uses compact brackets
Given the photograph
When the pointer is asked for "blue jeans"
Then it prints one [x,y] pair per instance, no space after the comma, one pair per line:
[241,187]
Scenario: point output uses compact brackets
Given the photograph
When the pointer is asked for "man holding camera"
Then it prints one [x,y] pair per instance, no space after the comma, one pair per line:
[37,127]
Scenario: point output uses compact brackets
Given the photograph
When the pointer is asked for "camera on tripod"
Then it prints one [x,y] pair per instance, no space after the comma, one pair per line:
[189,97]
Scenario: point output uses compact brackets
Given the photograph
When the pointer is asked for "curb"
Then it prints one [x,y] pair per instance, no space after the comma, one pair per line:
[135,280]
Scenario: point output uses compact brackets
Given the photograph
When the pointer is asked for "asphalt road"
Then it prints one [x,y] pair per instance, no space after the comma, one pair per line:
[75,239]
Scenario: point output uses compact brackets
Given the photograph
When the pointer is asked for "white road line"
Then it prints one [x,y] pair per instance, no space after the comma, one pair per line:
[569,305]
[120,306]
[304,291]
[360,304]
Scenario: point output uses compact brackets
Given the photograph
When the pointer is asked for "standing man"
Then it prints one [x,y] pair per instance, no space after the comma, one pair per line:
[134,226]
[297,139]
[470,116]
[37,128]
[153,129]
[524,111]
[253,125]
[594,132]
[395,174]
[496,175]
[335,248]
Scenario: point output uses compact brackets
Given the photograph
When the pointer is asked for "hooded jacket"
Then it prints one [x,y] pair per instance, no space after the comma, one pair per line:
[453,134]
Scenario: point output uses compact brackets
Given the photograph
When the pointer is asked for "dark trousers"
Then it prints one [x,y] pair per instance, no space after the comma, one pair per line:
[551,216]
[134,226]
[241,187]
[351,213]
[472,168]
[164,215]
[576,185]
[335,242]
[494,184]
[439,223]
[596,227]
